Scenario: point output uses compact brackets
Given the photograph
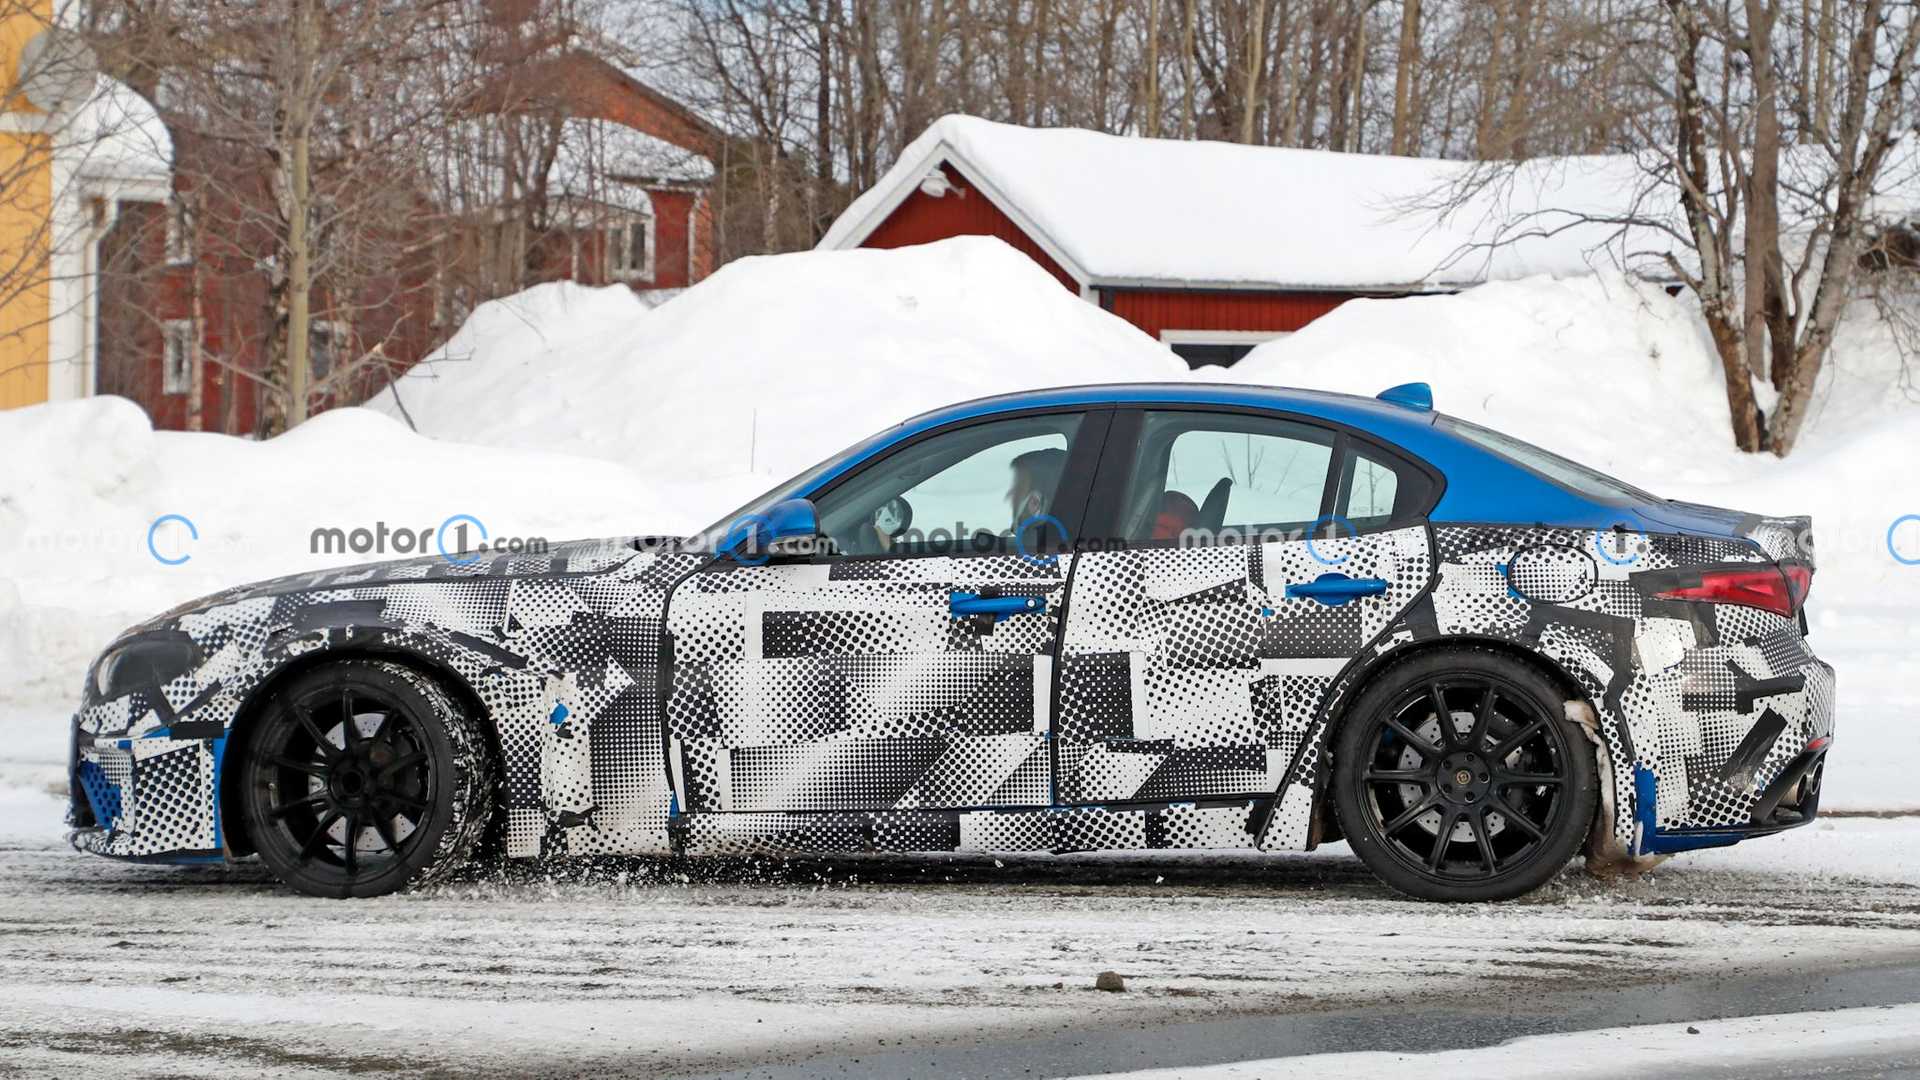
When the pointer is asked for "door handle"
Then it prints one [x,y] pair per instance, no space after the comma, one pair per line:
[964,604]
[1335,589]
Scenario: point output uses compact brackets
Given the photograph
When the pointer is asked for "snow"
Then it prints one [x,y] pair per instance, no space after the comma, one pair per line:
[1228,214]
[649,967]
[117,135]
[1740,1046]
[598,166]
[769,365]
[74,527]
[567,411]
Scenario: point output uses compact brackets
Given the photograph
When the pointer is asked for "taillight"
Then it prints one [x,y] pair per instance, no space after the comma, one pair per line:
[1800,581]
[1779,589]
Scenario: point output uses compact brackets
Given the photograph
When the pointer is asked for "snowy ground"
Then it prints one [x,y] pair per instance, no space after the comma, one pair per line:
[1867,1041]
[657,968]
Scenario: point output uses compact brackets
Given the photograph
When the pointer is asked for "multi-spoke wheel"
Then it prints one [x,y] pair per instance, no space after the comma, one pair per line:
[1457,777]
[363,777]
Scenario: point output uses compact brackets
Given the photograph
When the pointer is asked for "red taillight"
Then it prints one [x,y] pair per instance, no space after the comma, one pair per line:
[1800,580]
[1779,589]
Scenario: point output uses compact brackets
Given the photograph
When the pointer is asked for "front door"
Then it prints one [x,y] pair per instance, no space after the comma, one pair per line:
[908,668]
[1199,649]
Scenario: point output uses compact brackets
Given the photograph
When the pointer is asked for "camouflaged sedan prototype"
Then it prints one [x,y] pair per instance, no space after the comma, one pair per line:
[1115,617]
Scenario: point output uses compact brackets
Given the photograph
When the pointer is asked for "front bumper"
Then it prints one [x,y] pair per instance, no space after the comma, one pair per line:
[152,798]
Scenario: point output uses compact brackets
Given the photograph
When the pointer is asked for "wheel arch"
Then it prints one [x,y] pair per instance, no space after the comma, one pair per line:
[230,814]
[1325,821]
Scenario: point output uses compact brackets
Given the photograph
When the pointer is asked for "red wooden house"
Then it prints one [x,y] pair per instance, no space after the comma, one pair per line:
[184,314]
[1216,247]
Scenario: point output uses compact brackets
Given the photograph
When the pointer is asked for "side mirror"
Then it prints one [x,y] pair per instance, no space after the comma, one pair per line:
[786,528]
[792,527]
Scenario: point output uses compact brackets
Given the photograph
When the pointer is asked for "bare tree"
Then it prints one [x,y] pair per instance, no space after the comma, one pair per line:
[1773,291]
[300,125]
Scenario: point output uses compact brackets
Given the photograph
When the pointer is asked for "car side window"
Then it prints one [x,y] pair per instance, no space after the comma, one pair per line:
[960,490]
[1206,476]
[1370,491]
[1376,489]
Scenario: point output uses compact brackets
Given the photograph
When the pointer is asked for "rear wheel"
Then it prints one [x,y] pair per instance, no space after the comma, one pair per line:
[362,778]
[1458,777]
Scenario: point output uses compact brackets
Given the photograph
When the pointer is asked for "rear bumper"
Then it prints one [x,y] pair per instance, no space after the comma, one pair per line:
[1791,801]
[1768,783]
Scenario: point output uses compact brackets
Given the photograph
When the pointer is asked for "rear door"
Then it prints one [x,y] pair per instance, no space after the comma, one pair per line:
[1247,558]
[911,667]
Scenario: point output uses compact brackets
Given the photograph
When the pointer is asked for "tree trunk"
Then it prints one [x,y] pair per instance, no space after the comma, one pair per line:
[1714,286]
[1186,72]
[1823,74]
[299,282]
[1749,425]
[822,122]
[1256,41]
[1409,59]
[1357,74]
[1763,191]
[1491,79]
[1152,91]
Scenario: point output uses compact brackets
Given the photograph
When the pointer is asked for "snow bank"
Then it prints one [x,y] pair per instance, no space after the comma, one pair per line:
[567,411]
[1605,371]
[769,365]
[1620,376]
[78,531]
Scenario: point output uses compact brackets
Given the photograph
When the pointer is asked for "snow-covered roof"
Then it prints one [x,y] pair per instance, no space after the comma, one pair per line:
[117,135]
[598,165]
[1121,210]
[605,149]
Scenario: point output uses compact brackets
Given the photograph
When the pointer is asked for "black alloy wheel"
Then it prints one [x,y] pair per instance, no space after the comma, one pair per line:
[1458,777]
[362,778]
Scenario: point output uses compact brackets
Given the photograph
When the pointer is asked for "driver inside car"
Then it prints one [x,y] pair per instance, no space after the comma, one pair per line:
[1036,475]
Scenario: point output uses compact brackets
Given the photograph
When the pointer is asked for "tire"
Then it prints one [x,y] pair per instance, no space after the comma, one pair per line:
[1438,813]
[362,778]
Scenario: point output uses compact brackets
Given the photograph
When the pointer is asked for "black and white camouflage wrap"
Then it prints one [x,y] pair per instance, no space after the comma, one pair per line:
[648,701]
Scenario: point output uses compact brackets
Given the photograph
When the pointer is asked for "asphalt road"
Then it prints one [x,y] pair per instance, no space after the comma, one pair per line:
[1453,1022]
[913,966]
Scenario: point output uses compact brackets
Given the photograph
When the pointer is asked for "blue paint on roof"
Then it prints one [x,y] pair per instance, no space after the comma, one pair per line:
[1481,485]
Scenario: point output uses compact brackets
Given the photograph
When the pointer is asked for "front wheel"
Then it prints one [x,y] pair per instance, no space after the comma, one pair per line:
[362,778]
[1458,777]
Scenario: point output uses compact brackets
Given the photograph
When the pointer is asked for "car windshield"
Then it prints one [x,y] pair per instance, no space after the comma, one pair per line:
[1569,474]
[708,538]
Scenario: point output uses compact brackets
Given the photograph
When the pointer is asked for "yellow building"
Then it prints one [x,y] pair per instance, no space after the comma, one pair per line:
[74,146]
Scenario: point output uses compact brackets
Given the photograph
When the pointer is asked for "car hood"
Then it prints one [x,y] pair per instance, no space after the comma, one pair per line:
[569,557]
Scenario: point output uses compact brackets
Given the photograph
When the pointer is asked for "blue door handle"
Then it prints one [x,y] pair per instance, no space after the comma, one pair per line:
[963,604]
[1335,589]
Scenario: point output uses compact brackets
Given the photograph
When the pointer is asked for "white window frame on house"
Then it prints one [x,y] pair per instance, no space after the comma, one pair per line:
[1171,338]
[618,253]
[178,250]
[176,356]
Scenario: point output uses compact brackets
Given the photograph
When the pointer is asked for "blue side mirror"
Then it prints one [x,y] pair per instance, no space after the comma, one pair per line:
[788,527]
[794,519]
